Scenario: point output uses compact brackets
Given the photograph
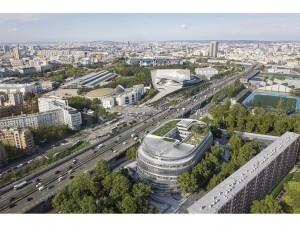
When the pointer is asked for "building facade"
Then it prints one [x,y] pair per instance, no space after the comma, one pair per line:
[254,180]
[20,138]
[162,158]
[15,99]
[213,49]
[13,88]
[16,53]
[51,112]
[120,96]
[70,116]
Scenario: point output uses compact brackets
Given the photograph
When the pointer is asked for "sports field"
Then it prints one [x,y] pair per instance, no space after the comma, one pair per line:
[280,102]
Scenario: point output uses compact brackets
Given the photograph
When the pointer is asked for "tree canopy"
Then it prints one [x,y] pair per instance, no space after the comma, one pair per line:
[266,205]
[104,191]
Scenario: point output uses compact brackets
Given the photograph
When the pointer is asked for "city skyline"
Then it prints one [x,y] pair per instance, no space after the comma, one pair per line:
[147,27]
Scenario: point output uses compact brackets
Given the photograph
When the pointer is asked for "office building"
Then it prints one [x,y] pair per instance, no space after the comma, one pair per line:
[171,149]
[3,155]
[20,138]
[15,98]
[213,49]
[6,49]
[16,53]
[254,180]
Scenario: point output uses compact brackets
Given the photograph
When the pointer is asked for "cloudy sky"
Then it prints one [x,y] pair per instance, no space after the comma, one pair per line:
[147,27]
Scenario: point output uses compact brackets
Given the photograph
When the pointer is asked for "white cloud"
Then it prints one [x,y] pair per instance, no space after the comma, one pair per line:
[183,26]
[12,29]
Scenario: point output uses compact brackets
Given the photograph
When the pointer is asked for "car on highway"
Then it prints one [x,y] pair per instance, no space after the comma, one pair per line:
[57,172]
[42,188]
[38,185]
[100,145]
[70,171]
[114,151]
[69,167]
[60,178]
[74,161]
[29,199]
[124,143]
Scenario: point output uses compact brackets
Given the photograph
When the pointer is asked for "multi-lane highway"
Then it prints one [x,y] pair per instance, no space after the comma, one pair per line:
[21,200]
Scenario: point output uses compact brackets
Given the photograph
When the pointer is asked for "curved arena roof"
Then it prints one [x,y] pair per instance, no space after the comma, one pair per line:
[100,92]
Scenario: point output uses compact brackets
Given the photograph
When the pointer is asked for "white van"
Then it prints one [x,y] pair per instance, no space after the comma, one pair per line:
[41,188]
[61,178]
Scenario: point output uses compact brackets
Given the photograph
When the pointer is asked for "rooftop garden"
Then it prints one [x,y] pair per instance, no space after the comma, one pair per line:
[165,128]
[198,132]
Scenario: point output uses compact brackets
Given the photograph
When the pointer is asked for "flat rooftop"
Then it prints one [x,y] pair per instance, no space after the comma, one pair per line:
[173,147]
[222,193]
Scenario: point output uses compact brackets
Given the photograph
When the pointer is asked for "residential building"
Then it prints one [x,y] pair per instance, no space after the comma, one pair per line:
[161,158]
[15,98]
[213,49]
[20,138]
[16,53]
[254,180]
[70,116]
[51,112]
[16,63]
[34,87]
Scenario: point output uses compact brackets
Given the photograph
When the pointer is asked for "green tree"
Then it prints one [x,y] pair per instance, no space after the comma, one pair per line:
[121,185]
[267,205]
[131,153]
[292,195]
[87,205]
[217,151]
[128,204]
[188,182]
[79,102]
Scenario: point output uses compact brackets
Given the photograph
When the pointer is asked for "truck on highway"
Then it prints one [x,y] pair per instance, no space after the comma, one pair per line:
[20,185]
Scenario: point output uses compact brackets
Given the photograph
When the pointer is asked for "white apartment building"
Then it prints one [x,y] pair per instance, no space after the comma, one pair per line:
[29,87]
[51,112]
[15,98]
[71,116]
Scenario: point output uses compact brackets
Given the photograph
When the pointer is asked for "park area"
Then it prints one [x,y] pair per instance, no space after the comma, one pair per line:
[273,101]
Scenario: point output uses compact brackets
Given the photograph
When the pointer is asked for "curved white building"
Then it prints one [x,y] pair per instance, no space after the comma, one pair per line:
[173,148]
[169,80]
